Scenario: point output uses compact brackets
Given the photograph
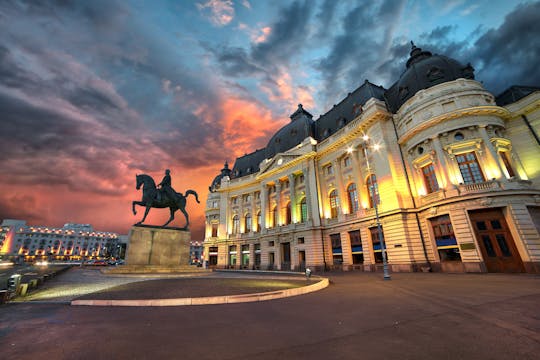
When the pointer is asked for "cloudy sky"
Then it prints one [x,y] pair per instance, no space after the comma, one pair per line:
[93,92]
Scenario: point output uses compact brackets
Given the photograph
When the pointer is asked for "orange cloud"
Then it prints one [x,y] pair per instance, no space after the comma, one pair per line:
[247,125]
[283,91]
[265,32]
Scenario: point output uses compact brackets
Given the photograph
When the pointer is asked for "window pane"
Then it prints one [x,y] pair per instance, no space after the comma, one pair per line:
[481,225]
[496,224]
[430,179]
[469,168]
[488,245]
[352,196]
[334,203]
[503,245]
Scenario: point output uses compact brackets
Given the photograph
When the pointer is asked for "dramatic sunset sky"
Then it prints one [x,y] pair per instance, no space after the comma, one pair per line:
[93,92]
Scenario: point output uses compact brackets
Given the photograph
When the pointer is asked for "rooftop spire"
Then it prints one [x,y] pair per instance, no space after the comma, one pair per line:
[416,55]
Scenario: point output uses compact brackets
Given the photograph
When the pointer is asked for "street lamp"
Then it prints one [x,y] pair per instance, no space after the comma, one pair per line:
[371,191]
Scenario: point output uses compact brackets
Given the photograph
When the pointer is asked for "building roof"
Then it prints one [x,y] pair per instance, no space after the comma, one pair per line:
[349,108]
[514,93]
[248,164]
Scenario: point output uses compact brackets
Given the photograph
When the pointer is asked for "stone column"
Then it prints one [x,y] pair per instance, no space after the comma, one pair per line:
[491,153]
[241,227]
[340,187]
[441,166]
[253,211]
[251,256]
[264,206]
[312,201]
[359,178]
[292,196]
[278,203]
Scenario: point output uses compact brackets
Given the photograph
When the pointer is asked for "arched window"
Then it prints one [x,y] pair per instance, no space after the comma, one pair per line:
[373,190]
[303,210]
[247,223]
[235,224]
[334,204]
[274,216]
[352,196]
[288,218]
[259,221]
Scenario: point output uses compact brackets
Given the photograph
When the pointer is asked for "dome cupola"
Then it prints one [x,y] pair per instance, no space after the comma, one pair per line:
[216,184]
[424,70]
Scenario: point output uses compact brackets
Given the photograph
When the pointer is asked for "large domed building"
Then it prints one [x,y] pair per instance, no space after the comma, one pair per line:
[433,174]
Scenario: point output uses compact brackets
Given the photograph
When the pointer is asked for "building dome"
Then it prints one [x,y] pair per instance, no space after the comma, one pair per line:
[292,134]
[425,70]
[216,184]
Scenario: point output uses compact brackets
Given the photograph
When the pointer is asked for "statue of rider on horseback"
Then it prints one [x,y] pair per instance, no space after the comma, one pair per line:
[161,196]
[165,186]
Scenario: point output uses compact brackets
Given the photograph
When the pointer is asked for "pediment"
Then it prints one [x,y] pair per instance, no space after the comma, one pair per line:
[278,161]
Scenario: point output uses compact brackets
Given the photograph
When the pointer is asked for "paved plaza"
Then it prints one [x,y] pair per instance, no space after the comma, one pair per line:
[359,316]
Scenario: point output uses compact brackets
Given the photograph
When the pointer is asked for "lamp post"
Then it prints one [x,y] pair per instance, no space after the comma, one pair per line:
[371,191]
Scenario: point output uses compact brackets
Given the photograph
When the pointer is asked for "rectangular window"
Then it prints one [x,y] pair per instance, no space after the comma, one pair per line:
[445,239]
[214,230]
[336,248]
[232,255]
[430,180]
[303,210]
[506,162]
[245,255]
[469,168]
[300,240]
[329,170]
[377,248]
[347,162]
[356,247]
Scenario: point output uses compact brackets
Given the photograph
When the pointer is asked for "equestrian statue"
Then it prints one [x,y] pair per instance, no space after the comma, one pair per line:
[161,196]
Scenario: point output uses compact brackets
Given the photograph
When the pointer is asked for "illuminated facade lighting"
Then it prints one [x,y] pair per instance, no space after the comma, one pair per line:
[445,197]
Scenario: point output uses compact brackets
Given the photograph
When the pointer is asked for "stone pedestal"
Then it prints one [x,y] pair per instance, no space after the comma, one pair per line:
[162,247]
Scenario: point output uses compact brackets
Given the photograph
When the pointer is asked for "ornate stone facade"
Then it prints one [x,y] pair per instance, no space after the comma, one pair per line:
[455,173]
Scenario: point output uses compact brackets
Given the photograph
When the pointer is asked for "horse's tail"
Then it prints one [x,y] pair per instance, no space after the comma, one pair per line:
[192,192]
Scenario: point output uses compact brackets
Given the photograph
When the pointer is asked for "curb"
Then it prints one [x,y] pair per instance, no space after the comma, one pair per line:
[209,300]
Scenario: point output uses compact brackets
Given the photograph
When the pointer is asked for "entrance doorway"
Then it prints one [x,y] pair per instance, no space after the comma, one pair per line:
[495,241]
[286,256]
[301,260]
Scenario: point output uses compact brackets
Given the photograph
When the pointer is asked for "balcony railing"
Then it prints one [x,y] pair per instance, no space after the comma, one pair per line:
[491,185]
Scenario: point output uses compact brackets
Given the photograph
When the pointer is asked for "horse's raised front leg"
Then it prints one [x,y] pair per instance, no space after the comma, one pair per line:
[145,214]
[172,216]
[133,206]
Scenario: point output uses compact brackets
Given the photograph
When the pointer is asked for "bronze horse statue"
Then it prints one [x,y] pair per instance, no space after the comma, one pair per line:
[150,199]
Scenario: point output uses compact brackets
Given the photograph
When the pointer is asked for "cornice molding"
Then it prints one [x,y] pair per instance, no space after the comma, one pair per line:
[472,111]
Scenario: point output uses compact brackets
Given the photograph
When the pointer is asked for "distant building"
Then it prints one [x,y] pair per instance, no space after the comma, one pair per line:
[196,249]
[71,242]
[453,171]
